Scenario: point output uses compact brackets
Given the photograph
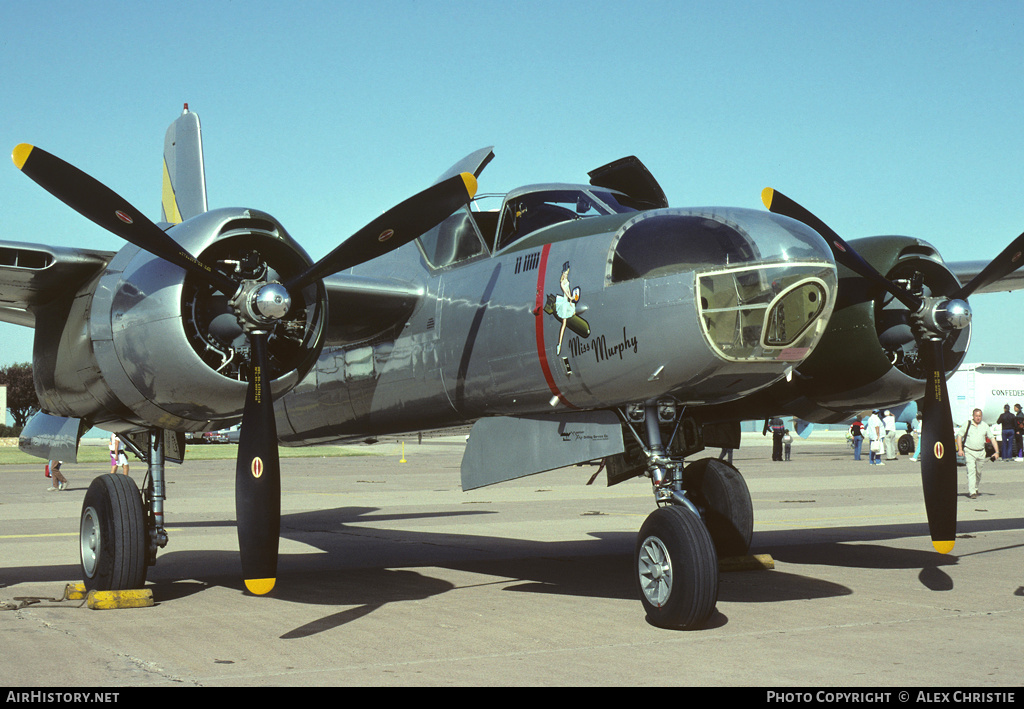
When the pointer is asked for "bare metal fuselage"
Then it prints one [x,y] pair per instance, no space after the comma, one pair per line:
[485,340]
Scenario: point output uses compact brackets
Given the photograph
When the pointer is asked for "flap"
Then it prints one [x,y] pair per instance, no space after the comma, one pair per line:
[507,447]
[51,437]
[631,177]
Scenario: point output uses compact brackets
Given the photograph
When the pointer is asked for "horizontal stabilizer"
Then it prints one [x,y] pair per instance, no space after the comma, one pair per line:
[506,448]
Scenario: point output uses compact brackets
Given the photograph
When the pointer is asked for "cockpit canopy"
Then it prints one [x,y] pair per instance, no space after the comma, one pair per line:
[469,233]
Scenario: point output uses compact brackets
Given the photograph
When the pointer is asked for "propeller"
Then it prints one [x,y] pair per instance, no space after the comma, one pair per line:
[260,306]
[932,319]
[97,202]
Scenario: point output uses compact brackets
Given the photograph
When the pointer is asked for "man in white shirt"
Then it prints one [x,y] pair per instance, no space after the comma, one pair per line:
[875,434]
[970,443]
[889,421]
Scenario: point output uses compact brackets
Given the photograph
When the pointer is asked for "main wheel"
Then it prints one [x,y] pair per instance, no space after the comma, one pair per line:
[905,444]
[721,492]
[113,535]
[677,569]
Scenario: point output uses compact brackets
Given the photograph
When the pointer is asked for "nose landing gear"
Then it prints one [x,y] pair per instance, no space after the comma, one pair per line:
[704,511]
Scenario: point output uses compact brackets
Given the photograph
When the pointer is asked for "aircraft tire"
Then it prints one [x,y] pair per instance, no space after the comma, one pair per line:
[719,490]
[113,535]
[905,444]
[677,569]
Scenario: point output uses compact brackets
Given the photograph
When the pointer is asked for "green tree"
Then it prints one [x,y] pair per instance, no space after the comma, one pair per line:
[21,392]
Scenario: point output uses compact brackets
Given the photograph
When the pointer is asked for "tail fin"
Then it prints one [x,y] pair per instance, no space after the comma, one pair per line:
[184,188]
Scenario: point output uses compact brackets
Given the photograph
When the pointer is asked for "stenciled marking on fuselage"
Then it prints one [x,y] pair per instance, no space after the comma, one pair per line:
[529,262]
[602,350]
[571,436]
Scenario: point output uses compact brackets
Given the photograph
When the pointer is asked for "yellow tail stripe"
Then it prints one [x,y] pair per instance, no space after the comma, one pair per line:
[170,202]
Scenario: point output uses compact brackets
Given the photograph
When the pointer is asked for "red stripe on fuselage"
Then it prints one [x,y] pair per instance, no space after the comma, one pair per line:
[542,354]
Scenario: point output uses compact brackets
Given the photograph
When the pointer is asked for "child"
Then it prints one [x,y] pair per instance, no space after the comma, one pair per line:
[787,443]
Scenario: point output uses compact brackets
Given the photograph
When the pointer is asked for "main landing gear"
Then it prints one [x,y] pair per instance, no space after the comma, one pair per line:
[704,512]
[121,526]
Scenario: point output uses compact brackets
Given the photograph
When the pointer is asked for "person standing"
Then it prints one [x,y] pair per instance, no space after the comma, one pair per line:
[876,432]
[775,425]
[1007,422]
[889,422]
[857,431]
[117,455]
[970,443]
[1018,437]
[918,425]
[787,443]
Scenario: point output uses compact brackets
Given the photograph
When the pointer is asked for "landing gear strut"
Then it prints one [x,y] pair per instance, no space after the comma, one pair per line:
[122,527]
[704,511]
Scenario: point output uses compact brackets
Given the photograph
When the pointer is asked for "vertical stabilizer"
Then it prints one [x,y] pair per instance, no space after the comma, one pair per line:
[184,188]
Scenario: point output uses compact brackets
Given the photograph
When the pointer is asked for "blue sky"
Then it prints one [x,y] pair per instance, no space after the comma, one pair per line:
[887,117]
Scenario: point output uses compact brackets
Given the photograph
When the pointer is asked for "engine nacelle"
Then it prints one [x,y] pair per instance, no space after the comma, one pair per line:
[145,344]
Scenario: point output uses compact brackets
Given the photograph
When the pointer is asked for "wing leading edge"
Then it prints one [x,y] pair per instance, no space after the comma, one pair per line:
[965,271]
[33,274]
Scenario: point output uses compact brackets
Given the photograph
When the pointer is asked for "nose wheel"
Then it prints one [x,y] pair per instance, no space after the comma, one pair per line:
[676,569]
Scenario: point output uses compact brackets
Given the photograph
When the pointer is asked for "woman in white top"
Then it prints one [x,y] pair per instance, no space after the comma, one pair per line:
[117,455]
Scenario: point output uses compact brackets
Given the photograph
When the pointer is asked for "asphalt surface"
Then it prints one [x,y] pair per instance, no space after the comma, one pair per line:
[391,575]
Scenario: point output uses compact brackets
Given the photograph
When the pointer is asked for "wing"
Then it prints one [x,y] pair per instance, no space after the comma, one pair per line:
[360,307]
[33,275]
[965,271]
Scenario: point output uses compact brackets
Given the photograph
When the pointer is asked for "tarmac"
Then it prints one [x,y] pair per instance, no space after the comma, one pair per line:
[391,575]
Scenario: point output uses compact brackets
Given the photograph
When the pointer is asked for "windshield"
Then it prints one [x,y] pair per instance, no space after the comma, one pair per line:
[526,212]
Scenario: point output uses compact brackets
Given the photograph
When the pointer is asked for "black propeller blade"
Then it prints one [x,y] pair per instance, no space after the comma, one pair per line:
[258,477]
[257,467]
[779,203]
[395,227]
[1009,260]
[938,459]
[97,202]
[938,451]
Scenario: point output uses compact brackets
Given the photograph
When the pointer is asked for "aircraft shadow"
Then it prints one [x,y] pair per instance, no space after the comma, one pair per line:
[364,565]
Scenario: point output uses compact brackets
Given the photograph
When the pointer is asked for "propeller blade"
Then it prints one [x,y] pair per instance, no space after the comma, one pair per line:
[258,477]
[396,227]
[938,451]
[778,203]
[97,202]
[1009,260]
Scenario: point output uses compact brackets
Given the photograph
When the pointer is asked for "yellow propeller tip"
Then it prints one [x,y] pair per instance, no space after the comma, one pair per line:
[260,587]
[20,154]
[470,182]
[767,194]
[943,547]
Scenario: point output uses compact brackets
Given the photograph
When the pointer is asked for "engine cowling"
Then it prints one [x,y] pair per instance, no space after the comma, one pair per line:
[145,344]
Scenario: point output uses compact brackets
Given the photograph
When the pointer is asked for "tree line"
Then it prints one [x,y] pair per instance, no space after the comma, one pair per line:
[22,401]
